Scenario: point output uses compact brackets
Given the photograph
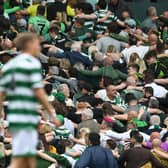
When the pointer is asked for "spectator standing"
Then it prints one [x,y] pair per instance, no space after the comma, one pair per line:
[39,23]
[96,156]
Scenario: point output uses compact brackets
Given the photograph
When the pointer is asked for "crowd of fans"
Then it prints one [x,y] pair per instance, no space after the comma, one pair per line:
[106,74]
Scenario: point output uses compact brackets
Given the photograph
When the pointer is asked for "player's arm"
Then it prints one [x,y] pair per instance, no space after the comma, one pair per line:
[2,96]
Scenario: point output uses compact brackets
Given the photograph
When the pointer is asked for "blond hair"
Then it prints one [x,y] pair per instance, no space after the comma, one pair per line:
[84,131]
[135,59]
[23,39]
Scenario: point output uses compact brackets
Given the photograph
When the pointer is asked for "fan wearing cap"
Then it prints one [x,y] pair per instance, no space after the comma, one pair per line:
[61,132]
[130,26]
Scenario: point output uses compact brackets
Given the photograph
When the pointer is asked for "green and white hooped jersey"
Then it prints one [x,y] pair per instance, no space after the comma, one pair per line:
[20,77]
[100,27]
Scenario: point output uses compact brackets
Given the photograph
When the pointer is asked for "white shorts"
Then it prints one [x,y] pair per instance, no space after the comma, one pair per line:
[24,143]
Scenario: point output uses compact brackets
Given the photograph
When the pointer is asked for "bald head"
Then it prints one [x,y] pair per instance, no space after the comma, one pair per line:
[156,143]
[154,135]
[155,120]
[111,91]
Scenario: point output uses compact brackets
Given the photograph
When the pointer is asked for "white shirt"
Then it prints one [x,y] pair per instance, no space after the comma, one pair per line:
[140,50]
[71,160]
[159,91]
[123,136]
[102,94]
[104,138]
[69,125]
[166,51]
[79,147]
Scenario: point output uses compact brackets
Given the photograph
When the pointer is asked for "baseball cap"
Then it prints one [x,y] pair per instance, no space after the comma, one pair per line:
[22,23]
[60,118]
[130,22]
[60,97]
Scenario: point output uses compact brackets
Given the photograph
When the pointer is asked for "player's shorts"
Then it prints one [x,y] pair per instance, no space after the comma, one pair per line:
[24,143]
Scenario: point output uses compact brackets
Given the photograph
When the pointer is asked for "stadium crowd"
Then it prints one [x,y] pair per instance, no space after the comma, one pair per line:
[106,74]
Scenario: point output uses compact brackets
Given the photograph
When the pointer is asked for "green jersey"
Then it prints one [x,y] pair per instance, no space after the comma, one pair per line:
[40,24]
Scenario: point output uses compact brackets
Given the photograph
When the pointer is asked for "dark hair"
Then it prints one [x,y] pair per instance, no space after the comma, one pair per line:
[107,81]
[53,61]
[112,144]
[148,76]
[60,108]
[84,85]
[5,25]
[48,88]
[54,29]
[132,40]
[102,4]
[1,139]
[107,109]
[94,138]
[61,146]
[137,136]
[134,66]
[160,47]
[150,54]
[79,6]
[113,27]
[148,90]
[85,7]
[73,72]
[134,133]
[129,97]
[14,3]
[80,21]
[41,10]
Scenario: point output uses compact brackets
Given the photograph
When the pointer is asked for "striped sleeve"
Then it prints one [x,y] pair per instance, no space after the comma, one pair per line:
[2,87]
[36,76]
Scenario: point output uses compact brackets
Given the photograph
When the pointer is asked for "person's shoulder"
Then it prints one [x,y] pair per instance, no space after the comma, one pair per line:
[146,21]
[32,18]
[32,7]
[8,65]
[28,60]
[90,148]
